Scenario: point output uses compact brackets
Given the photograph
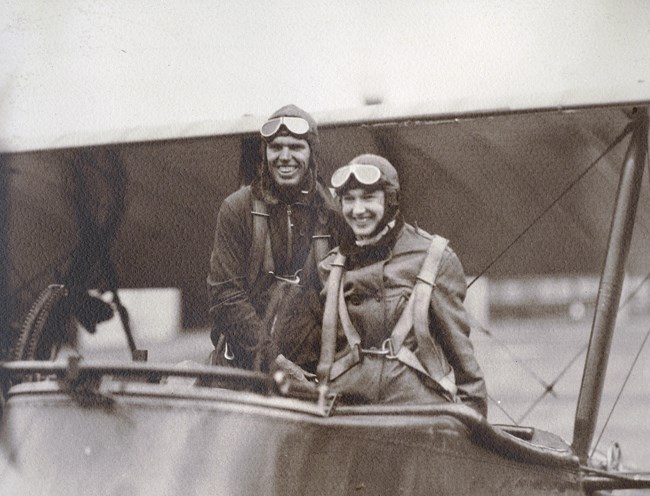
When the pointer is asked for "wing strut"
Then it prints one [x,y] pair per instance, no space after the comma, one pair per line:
[609,291]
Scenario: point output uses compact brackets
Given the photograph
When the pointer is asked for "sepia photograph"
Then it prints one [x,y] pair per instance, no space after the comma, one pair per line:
[324,248]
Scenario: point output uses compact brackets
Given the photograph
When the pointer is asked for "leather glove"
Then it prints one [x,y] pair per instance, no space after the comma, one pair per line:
[293,371]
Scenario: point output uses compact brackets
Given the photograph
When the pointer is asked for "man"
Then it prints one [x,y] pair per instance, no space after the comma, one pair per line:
[269,239]
[395,329]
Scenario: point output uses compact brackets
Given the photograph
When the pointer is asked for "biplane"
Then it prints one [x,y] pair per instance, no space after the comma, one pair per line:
[533,183]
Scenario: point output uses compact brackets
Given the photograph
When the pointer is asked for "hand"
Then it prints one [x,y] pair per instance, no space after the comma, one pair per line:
[293,371]
[265,355]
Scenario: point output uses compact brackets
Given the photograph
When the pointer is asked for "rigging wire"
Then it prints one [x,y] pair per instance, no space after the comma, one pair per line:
[571,185]
[618,397]
[500,407]
[548,388]
[511,355]
[582,350]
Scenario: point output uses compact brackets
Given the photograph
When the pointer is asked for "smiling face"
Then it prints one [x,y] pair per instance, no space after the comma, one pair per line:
[363,210]
[288,159]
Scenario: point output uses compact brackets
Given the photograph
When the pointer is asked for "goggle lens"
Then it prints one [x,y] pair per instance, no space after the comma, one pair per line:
[295,125]
[364,173]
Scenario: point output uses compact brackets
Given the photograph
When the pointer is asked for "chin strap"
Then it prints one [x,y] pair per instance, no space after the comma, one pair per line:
[374,239]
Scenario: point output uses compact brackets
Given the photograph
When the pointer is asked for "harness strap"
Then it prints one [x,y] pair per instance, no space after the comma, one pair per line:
[431,361]
[261,257]
[351,358]
[320,244]
[346,362]
[330,321]
[320,247]
[429,351]
[446,382]
[404,324]
[321,239]
[354,340]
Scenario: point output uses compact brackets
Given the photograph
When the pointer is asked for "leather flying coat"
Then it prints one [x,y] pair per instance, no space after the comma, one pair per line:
[377,287]
[238,307]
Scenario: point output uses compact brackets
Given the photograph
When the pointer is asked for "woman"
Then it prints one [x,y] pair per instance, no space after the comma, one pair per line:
[394,326]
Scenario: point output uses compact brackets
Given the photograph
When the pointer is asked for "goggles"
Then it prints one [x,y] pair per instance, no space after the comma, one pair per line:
[364,173]
[295,125]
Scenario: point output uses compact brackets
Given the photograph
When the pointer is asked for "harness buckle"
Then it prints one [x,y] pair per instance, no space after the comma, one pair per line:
[386,350]
[227,353]
[291,279]
[388,346]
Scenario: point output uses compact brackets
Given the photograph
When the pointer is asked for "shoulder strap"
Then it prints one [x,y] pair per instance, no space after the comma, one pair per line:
[426,278]
[261,257]
[320,244]
[330,320]
[424,284]
[318,249]
[431,264]
[321,239]
[429,352]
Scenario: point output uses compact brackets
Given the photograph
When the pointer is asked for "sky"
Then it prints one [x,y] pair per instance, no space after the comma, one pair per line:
[74,70]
